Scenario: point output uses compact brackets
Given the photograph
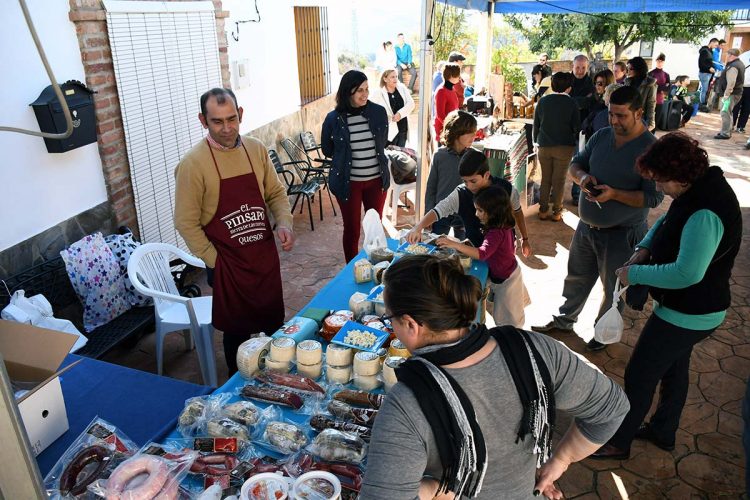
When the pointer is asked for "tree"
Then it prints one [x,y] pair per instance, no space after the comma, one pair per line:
[451,32]
[583,31]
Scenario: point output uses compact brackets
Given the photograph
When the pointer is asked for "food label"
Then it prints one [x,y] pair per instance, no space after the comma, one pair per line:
[213,445]
[155,450]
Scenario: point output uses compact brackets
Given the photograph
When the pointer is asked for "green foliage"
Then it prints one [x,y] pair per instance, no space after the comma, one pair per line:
[454,34]
[349,60]
[550,32]
[506,58]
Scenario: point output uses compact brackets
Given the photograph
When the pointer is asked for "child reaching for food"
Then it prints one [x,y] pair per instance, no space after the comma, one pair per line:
[498,250]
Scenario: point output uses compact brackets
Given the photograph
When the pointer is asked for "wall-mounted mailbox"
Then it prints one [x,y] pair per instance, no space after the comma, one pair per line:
[49,114]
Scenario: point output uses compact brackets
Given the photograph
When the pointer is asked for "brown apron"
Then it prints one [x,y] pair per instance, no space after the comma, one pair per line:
[247,277]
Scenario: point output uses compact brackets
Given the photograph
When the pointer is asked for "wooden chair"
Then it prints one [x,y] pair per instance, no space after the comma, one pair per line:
[305,189]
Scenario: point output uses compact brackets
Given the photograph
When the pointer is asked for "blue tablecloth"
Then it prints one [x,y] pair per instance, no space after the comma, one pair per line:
[145,406]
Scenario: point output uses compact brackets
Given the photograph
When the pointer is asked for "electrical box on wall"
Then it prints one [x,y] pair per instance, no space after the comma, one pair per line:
[49,114]
[241,74]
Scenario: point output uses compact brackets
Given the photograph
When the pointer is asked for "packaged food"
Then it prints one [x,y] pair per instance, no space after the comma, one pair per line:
[243,412]
[322,422]
[250,355]
[331,326]
[378,255]
[338,446]
[309,352]
[310,371]
[197,411]
[282,349]
[317,485]
[265,486]
[226,427]
[397,348]
[345,313]
[366,320]
[339,374]
[292,381]
[359,398]
[389,370]
[299,328]
[286,437]
[362,271]
[378,272]
[366,363]
[272,395]
[359,304]
[367,382]
[359,416]
[339,355]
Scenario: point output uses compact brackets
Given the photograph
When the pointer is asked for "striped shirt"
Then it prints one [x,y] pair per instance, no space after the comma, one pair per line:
[365,165]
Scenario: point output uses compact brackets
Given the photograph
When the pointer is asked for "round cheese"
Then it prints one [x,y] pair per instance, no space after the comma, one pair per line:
[367,383]
[397,348]
[369,318]
[309,352]
[278,366]
[379,308]
[366,363]
[310,371]
[331,326]
[389,370]
[250,356]
[338,374]
[282,349]
[345,313]
[339,355]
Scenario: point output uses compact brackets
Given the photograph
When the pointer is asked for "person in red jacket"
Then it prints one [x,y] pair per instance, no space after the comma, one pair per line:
[445,97]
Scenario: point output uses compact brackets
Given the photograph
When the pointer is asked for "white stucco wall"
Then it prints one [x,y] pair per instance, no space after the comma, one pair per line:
[270,48]
[39,189]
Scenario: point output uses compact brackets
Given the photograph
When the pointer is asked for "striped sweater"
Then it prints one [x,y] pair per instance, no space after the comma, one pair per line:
[365,164]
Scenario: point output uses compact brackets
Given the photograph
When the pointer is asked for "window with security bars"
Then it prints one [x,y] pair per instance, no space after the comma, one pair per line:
[165,56]
[313,61]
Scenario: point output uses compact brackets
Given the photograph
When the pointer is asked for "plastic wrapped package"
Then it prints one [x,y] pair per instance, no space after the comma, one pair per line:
[362,271]
[198,411]
[284,437]
[337,446]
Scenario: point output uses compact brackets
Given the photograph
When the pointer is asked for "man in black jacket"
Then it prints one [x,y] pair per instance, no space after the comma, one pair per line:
[706,70]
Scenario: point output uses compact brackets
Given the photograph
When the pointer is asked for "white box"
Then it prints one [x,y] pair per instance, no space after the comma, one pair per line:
[32,356]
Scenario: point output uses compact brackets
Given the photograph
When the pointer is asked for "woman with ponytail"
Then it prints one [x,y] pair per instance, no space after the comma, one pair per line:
[473,411]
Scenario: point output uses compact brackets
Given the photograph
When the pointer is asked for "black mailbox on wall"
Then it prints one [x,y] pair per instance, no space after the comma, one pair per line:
[49,114]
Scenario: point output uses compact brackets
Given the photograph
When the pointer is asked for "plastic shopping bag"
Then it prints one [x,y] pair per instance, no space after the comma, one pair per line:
[374,233]
[608,330]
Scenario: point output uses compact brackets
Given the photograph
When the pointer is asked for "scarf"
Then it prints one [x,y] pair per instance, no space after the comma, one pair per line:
[448,410]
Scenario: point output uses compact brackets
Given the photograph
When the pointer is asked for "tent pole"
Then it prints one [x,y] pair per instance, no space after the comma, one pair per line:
[425,100]
[488,53]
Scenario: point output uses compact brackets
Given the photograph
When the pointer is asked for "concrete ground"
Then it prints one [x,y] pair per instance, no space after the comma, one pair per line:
[708,461]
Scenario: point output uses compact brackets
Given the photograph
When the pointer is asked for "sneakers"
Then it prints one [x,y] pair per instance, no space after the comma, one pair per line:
[740,130]
[646,433]
[544,215]
[551,327]
[722,136]
[594,346]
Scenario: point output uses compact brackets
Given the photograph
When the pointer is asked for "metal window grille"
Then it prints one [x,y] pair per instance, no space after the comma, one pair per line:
[313,61]
[165,56]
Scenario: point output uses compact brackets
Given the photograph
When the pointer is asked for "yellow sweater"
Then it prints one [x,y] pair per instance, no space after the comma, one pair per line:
[197,190]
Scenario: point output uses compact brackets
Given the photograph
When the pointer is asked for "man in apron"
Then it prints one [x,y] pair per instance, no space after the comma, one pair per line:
[226,189]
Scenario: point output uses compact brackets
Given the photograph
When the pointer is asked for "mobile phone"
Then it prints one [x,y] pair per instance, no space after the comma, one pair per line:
[590,189]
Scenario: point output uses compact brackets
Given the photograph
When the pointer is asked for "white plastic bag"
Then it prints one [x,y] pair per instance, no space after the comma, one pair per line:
[374,233]
[37,311]
[608,330]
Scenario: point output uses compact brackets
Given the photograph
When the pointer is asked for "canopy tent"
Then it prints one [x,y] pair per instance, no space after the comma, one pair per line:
[528,7]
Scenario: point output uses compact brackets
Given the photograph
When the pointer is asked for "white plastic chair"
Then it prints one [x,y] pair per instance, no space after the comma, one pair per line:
[395,191]
[150,273]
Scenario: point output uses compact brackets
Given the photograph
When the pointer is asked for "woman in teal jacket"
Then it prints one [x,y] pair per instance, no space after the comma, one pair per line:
[686,260]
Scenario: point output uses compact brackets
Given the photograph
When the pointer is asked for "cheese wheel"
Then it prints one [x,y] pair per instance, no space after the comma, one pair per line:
[389,370]
[310,371]
[250,355]
[359,304]
[282,349]
[331,326]
[338,374]
[339,355]
[366,363]
[369,318]
[379,308]
[367,383]
[309,352]
[346,313]
[397,348]
[278,366]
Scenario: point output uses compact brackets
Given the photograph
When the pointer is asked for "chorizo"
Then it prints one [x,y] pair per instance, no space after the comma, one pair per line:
[96,454]
[154,467]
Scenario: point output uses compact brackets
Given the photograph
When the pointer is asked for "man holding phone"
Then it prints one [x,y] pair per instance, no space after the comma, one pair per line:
[613,213]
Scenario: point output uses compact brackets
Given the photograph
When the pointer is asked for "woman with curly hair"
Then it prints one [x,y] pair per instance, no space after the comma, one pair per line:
[685,260]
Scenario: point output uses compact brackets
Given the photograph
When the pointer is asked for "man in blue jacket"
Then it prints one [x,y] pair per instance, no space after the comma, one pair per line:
[404,61]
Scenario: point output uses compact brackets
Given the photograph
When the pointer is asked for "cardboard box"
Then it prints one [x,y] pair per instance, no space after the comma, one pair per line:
[32,357]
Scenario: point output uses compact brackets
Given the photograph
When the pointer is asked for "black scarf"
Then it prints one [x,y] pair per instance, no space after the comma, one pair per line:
[460,442]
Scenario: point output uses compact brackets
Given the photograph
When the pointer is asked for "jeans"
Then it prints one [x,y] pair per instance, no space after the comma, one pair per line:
[705,80]
[662,354]
[726,116]
[554,161]
[595,253]
[742,109]
[442,226]
[371,195]
[412,73]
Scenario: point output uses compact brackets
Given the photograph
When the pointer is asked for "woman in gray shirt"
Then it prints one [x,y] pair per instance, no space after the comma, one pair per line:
[462,420]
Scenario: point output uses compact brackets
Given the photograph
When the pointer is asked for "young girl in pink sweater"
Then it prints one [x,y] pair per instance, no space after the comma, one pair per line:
[508,293]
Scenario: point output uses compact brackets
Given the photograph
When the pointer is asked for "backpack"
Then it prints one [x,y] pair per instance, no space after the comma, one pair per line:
[403,164]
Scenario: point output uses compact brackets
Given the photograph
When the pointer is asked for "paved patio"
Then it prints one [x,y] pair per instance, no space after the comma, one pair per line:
[708,461]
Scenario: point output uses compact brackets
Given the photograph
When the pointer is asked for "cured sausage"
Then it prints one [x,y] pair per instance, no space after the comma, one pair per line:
[360,398]
[69,483]
[271,395]
[158,474]
[290,380]
[360,416]
[321,422]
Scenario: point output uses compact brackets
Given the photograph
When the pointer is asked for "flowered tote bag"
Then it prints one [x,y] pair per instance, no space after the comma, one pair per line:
[123,246]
